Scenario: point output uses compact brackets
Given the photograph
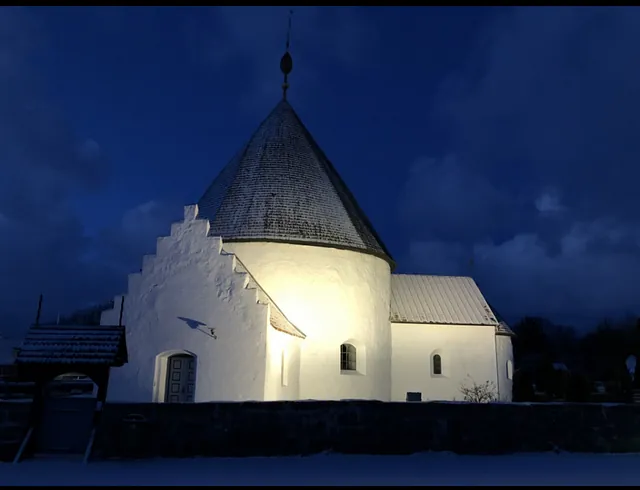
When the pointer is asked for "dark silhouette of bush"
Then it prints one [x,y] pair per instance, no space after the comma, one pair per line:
[522,386]
[578,388]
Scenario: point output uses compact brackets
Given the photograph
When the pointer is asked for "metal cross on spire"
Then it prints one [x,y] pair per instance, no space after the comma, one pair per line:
[286,62]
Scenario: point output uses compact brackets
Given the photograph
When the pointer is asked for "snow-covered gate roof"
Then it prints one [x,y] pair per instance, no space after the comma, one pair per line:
[444,300]
[74,344]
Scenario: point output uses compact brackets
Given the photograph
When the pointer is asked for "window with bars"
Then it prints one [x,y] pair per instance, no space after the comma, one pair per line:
[437,364]
[347,357]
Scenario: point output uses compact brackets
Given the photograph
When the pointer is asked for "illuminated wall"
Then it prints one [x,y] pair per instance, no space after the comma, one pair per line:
[282,381]
[465,351]
[192,297]
[506,368]
[188,288]
[333,296]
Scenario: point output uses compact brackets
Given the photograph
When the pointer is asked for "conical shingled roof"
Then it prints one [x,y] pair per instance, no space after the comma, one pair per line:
[282,188]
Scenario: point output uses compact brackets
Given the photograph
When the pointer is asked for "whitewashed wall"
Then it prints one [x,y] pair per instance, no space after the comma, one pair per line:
[505,373]
[333,296]
[190,278]
[283,366]
[466,351]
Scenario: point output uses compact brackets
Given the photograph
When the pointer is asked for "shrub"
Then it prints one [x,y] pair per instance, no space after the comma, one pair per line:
[479,393]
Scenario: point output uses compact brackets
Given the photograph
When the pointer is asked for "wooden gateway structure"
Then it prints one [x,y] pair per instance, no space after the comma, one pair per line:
[69,365]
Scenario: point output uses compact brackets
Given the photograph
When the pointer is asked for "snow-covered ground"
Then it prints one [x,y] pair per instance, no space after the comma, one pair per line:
[335,469]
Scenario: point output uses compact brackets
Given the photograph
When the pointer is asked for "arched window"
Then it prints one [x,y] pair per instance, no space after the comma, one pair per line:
[509,369]
[347,357]
[437,364]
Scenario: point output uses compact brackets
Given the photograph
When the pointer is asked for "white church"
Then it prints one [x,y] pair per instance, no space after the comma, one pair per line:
[275,286]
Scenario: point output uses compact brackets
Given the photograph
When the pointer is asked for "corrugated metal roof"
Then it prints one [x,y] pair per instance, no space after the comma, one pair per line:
[281,187]
[446,300]
[74,344]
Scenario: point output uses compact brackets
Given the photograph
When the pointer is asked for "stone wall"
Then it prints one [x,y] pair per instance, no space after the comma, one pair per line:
[14,424]
[292,428]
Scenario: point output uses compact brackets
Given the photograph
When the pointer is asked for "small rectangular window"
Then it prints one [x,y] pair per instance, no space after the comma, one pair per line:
[414,396]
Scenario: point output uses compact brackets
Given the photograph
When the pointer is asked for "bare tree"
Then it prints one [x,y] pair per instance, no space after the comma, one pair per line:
[478,393]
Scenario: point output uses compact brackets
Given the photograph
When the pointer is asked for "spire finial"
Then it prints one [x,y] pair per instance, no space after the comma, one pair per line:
[286,62]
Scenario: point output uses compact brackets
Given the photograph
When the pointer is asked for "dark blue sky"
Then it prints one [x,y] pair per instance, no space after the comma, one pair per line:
[505,134]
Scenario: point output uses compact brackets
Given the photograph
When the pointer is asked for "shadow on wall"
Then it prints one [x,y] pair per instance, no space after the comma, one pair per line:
[199,326]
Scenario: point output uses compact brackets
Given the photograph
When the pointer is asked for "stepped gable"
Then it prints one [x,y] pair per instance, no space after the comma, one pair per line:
[282,188]
[195,225]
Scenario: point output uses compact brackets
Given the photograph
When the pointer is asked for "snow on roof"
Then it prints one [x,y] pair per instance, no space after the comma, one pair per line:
[74,344]
[281,187]
[445,300]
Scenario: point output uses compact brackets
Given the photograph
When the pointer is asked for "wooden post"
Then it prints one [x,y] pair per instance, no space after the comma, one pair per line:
[121,311]
[39,310]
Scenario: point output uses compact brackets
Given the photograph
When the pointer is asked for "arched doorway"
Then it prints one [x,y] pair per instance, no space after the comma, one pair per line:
[176,377]
[69,404]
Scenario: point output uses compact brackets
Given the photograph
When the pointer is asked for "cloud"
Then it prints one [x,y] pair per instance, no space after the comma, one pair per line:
[555,104]
[41,164]
[542,188]
[548,203]
[43,244]
[591,277]
[41,157]
[122,246]
[245,44]
[445,199]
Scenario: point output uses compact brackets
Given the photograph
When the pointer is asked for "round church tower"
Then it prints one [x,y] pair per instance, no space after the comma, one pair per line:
[282,208]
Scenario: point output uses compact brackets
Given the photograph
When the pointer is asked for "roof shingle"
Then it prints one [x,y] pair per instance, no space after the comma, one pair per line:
[74,344]
[281,187]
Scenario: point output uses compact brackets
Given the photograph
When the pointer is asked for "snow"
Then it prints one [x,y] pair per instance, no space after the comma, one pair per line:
[281,188]
[71,343]
[335,469]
